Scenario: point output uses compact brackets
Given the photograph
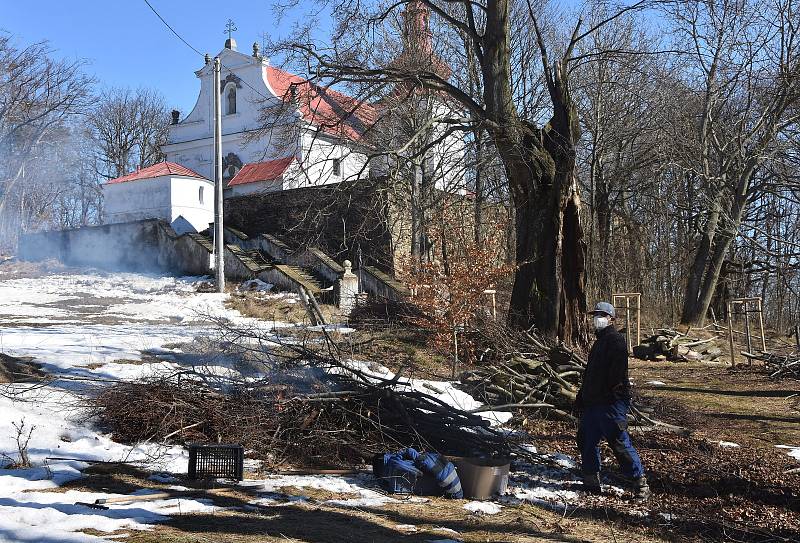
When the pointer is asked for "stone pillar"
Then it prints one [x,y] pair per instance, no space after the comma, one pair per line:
[347,289]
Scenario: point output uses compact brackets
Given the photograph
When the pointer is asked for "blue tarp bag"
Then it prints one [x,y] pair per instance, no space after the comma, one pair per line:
[396,472]
[411,472]
[443,471]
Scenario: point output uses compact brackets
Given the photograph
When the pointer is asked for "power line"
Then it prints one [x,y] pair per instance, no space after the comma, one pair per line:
[189,45]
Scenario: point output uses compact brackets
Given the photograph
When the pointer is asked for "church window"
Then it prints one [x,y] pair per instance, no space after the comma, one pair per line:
[200,195]
[231,98]
[337,167]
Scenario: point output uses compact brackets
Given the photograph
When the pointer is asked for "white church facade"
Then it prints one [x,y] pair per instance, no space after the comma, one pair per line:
[270,117]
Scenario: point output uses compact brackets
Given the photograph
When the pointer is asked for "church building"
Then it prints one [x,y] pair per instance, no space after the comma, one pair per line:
[287,141]
[279,131]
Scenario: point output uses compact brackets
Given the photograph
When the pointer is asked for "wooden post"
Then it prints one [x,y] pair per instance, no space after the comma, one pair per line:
[797,336]
[730,333]
[638,320]
[746,309]
[455,351]
[628,324]
[629,328]
[761,325]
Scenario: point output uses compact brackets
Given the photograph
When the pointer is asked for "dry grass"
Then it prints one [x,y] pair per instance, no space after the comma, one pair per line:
[19,269]
[254,305]
[313,521]
[19,370]
[400,349]
[742,405]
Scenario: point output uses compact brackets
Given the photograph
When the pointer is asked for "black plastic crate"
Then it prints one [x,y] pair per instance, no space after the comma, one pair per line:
[216,461]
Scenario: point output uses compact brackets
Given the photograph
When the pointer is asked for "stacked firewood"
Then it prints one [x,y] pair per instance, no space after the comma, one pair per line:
[668,344]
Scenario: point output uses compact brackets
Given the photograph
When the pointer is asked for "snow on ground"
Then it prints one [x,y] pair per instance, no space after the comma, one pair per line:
[656,383]
[728,444]
[485,508]
[81,327]
[77,326]
[792,450]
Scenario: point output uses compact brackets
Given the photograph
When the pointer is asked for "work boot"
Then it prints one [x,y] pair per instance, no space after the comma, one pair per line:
[591,483]
[641,491]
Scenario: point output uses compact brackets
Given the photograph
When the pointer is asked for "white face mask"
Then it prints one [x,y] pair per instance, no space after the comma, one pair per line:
[601,322]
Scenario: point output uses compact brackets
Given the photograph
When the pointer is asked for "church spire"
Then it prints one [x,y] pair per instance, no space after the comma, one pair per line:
[417,34]
[417,51]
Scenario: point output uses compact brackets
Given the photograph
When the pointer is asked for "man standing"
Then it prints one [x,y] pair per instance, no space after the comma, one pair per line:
[604,400]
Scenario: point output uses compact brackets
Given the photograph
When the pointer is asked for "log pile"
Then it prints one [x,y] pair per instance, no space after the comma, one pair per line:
[528,373]
[778,366]
[668,344]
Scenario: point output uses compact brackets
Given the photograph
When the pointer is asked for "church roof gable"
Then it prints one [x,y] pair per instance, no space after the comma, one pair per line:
[156,170]
[333,112]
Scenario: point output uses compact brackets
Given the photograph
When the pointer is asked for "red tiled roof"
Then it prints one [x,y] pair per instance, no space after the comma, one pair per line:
[335,113]
[156,170]
[261,171]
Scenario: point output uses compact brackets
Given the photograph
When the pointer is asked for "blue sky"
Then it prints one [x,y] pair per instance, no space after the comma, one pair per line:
[126,45]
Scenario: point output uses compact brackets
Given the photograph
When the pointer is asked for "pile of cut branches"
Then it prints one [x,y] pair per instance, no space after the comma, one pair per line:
[778,366]
[520,370]
[338,416]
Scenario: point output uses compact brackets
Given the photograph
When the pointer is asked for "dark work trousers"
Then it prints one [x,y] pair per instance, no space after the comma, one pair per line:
[609,422]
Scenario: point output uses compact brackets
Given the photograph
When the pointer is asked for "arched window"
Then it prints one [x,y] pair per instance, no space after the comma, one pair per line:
[230,95]
[200,195]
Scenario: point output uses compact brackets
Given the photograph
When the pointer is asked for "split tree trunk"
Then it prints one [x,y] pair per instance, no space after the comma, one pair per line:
[548,292]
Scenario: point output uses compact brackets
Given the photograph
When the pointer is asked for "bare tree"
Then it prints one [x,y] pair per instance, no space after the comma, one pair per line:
[536,140]
[744,72]
[129,128]
[38,94]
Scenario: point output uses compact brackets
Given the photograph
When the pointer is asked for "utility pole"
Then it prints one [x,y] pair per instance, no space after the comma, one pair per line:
[219,234]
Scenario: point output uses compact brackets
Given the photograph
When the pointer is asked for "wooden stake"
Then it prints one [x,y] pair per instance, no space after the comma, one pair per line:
[730,333]
[761,324]
[747,330]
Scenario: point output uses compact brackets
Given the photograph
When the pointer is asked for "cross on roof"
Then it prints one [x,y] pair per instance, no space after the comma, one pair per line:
[230,28]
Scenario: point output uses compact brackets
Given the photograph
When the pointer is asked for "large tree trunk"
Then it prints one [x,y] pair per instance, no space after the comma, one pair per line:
[548,290]
[692,311]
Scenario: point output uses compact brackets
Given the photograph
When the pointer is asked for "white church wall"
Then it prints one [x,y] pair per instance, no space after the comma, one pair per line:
[135,200]
[318,157]
[185,198]
[254,188]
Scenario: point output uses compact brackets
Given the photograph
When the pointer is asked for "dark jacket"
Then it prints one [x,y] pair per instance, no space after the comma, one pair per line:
[605,379]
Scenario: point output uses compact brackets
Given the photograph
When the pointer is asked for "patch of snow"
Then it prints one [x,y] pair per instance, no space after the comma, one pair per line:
[443,541]
[485,508]
[794,451]
[444,391]
[255,285]
[656,383]
[728,444]
[548,486]
[331,483]
[88,349]
[406,527]
[162,477]
[564,460]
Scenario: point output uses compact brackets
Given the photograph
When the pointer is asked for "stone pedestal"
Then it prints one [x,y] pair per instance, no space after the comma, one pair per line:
[347,289]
